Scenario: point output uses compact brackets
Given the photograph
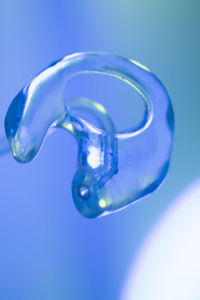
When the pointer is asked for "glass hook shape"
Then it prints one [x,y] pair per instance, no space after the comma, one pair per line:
[114,169]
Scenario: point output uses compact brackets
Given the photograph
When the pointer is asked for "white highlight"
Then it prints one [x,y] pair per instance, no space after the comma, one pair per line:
[93,158]
[168,265]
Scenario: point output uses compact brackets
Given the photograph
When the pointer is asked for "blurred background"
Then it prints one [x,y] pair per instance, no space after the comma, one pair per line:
[48,250]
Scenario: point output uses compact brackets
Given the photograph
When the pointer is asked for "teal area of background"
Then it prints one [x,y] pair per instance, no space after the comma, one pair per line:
[48,251]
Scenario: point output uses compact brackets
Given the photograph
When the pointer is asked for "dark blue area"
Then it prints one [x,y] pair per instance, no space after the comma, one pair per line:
[14,114]
[170,117]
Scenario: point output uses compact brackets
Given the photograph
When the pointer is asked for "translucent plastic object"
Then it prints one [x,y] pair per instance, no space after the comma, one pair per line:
[114,169]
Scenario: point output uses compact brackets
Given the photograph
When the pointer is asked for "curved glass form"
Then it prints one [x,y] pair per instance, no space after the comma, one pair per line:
[114,169]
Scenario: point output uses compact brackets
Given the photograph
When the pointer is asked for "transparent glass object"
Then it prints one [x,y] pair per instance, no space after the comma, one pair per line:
[114,169]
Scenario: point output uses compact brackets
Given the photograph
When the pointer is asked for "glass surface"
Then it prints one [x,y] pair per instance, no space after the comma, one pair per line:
[114,169]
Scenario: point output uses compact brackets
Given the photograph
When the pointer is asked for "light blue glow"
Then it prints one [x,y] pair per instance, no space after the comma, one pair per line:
[168,265]
[117,168]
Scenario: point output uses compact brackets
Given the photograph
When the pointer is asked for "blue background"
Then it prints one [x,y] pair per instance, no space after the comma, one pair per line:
[47,250]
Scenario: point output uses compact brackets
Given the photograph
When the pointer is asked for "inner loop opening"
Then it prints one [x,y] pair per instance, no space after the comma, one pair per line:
[98,118]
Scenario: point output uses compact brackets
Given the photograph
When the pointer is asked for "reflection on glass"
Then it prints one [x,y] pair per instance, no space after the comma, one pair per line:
[114,169]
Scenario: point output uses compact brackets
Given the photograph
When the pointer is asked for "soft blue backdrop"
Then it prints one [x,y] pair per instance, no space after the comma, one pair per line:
[47,250]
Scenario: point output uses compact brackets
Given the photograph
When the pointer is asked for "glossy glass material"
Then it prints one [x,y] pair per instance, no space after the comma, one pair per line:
[114,169]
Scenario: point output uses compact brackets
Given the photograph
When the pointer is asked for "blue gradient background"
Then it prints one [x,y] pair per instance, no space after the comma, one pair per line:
[47,250]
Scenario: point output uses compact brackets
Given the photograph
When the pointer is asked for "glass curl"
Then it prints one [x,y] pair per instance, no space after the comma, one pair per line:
[114,168]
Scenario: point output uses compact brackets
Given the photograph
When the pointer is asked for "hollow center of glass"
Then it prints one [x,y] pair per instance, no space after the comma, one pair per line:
[113,99]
